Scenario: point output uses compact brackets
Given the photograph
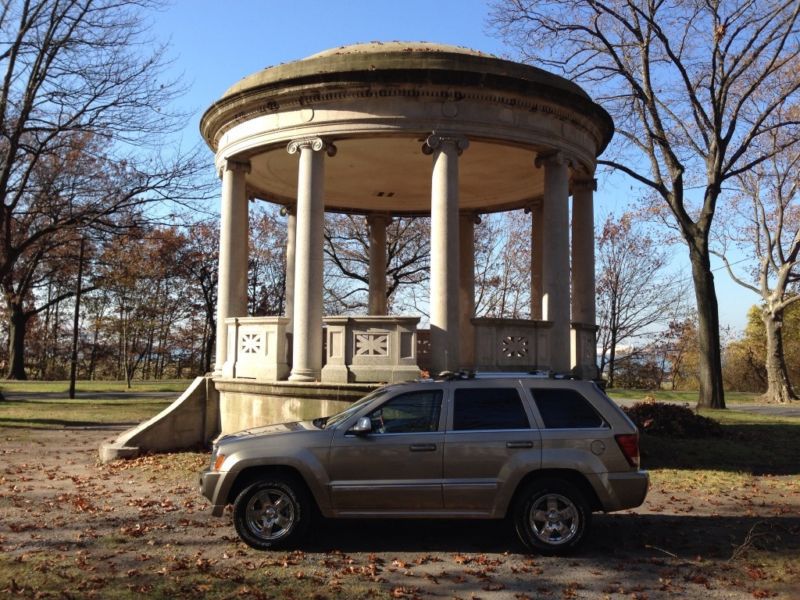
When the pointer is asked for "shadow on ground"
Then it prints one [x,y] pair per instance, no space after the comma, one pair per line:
[620,535]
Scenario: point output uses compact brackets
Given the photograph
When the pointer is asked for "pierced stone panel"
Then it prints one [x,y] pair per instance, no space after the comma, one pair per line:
[514,346]
[372,344]
[251,343]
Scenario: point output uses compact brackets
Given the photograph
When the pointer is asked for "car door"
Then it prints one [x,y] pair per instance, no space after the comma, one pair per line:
[489,440]
[395,468]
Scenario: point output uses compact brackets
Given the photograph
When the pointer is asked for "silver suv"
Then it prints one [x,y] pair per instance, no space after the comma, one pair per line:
[545,452]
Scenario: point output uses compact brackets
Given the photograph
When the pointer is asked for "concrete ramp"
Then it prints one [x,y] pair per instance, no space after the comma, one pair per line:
[191,421]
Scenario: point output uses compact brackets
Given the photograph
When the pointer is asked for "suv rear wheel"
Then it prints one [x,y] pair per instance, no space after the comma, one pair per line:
[271,514]
[552,516]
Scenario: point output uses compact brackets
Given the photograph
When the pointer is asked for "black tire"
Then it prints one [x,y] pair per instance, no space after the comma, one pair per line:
[272,514]
[552,516]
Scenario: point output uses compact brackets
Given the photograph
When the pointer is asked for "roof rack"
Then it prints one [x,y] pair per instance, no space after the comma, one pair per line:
[465,374]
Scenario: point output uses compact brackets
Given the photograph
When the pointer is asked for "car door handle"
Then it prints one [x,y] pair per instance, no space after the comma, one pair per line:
[522,444]
[422,447]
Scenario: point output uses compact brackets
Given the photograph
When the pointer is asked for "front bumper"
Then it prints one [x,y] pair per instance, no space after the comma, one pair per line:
[209,485]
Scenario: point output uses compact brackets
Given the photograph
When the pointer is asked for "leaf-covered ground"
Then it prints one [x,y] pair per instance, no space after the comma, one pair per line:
[71,528]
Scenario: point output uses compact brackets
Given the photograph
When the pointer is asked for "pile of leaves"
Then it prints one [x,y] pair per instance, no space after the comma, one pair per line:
[672,420]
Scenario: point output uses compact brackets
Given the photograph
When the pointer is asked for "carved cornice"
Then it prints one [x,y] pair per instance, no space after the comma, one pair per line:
[438,140]
[315,144]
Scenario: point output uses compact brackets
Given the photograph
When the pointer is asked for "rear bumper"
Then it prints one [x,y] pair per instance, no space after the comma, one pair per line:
[209,486]
[625,490]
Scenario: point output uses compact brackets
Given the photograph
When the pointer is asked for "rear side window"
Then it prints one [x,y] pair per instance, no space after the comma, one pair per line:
[565,409]
[488,408]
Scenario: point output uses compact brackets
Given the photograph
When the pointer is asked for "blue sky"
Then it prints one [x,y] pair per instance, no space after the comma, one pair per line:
[215,43]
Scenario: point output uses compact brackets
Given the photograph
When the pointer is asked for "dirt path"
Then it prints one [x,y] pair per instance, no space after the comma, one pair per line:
[70,527]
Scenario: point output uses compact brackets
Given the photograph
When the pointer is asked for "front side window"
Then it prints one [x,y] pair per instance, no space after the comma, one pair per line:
[414,412]
[565,409]
[488,408]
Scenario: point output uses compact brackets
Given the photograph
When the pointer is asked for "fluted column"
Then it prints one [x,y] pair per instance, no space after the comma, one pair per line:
[445,149]
[555,257]
[233,251]
[537,246]
[307,313]
[466,287]
[377,263]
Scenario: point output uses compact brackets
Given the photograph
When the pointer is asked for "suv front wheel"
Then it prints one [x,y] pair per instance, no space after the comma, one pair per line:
[271,514]
[552,516]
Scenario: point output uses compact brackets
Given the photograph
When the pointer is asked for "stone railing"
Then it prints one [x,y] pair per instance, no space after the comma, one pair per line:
[511,344]
[370,349]
[256,348]
[583,345]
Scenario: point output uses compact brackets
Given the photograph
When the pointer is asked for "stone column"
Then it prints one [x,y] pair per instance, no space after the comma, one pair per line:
[377,264]
[233,252]
[466,287]
[445,355]
[291,231]
[537,247]
[583,299]
[307,312]
[555,258]
[584,342]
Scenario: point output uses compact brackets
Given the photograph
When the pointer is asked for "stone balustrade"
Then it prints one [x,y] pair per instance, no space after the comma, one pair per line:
[256,348]
[370,349]
[376,349]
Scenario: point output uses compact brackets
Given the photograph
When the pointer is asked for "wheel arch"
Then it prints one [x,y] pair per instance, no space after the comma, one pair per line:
[571,476]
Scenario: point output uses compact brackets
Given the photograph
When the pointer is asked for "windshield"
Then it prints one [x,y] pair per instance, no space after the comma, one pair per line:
[353,408]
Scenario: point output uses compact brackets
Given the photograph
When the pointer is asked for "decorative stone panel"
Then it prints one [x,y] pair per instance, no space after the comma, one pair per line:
[370,349]
[511,344]
[256,348]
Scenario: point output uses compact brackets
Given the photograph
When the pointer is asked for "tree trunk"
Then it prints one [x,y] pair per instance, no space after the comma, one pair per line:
[17,323]
[779,387]
[712,394]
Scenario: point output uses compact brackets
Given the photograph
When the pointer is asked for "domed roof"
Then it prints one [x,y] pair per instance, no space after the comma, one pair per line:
[380,59]
[395,46]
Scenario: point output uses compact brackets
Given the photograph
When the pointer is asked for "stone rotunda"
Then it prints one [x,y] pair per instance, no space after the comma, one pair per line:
[404,129]
[386,130]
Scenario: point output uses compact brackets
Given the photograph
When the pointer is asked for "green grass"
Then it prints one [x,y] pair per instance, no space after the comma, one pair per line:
[163,385]
[688,396]
[78,413]
[751,443]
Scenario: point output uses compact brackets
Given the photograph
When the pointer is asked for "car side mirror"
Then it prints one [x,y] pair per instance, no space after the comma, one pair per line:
[363,426]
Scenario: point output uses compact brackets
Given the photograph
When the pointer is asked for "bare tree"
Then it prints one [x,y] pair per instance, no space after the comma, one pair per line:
[83,115]
[347,250]
[503,266]
[766,225]
[693,86]
[635,292]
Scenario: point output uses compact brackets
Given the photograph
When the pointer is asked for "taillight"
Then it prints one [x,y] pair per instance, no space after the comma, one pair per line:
[629,444]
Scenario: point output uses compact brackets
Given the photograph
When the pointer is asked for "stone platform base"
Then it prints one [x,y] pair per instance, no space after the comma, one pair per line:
[212,406]
[244,404]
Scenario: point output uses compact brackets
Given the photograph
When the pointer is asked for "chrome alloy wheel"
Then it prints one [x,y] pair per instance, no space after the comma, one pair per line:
[554,519]
[270,514]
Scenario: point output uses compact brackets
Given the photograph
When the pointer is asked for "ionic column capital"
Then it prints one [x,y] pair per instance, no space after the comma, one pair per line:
[314,143]
[383,219]
[234,165]
[438,140]
[554,159]
[469,215]
[584,185]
